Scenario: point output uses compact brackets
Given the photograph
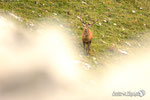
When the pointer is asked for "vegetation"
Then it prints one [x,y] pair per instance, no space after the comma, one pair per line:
[120,20]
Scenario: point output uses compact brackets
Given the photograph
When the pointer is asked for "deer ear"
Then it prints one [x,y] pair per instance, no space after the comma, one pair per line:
[89,25]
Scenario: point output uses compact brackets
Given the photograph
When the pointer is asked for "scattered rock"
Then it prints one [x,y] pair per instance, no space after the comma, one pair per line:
[105,21]
[78,17]
[83,2]
[61,25]
[33,11]
[84,65]
[95,62]
[133,11]
[31,24]
[16,17]
[87,66]
[100,24]
[141,8]
[128,43]
[123,52]
[55,14]
[123,29]
[115,24]
[94,58]
[104,41]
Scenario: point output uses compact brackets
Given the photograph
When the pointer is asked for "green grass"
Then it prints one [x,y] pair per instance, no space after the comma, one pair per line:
[108,37]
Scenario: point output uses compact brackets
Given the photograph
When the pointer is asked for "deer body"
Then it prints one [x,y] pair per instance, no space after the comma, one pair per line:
[87,35]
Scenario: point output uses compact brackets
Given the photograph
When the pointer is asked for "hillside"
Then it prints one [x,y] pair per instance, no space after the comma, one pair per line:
[119,20]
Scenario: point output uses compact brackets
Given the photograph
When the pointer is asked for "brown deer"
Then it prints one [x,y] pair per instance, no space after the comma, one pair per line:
[87,35]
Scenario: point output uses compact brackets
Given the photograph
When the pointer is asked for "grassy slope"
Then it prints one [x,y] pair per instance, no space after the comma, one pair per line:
[107,37]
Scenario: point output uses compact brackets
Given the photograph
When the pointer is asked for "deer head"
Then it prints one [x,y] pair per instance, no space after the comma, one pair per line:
[86,26]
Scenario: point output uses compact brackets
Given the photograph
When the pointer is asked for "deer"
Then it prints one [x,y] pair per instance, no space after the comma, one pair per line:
[87,35]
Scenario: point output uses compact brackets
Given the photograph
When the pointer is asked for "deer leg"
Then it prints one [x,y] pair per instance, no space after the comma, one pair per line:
[88,48]
[84,44]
